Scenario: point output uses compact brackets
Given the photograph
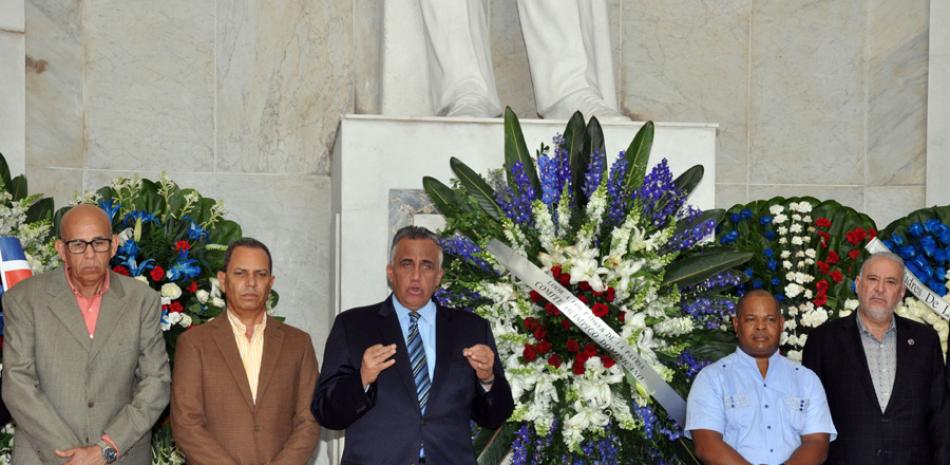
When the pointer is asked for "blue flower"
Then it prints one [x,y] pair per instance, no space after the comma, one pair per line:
[929,245]
[933,226]
[772,264]
[749,272]
[770,235]
[765,219]
[746,213]
[595,171]
[780,297]
[768,252]
[128,249]
[136,268]
[944,235]
[110,207]
[617,210]
[195,231]
[735,218]
[729,238]
[907,252]
[915,229]
[898,240]
[183,269]
[146,217]
[775,281]
[757,283]
[550,188]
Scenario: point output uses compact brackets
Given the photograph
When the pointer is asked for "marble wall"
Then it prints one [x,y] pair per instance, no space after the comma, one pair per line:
[825,98]
[12,77]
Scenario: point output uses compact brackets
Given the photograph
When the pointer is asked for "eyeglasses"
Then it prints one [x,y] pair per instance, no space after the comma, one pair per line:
[78,246]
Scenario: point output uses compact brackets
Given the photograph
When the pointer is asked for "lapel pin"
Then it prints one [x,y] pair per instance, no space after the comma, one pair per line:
[910,341]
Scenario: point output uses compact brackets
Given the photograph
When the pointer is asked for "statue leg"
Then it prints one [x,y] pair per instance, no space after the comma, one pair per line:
[569,53]
[460,66]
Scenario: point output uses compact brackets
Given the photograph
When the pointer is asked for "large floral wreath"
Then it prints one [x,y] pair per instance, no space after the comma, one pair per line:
[622,241]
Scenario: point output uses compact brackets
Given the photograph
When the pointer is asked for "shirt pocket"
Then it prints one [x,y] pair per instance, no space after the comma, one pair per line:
[738,408]
[795,409]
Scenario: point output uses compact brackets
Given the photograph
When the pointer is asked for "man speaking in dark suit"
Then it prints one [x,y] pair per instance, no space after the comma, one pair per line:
[883,375]
[404,377]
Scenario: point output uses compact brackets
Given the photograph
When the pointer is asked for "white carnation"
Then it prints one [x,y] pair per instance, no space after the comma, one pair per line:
[202,296]
[171,290]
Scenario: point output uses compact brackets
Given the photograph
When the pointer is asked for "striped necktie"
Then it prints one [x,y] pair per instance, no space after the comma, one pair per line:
[417,360]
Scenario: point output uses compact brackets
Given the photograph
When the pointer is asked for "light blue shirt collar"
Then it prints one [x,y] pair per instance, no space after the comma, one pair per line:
[426,313]
[426,329]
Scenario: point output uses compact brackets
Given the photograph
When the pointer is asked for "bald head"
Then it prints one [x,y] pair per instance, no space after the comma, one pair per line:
[86,216]
[760,297]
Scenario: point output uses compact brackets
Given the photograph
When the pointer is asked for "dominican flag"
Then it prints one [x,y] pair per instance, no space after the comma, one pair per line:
[13,265]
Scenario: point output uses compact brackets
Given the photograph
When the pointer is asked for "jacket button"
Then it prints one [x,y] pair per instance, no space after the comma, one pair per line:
[91,404]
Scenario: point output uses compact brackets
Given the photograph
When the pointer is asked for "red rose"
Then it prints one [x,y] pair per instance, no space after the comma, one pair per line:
[578,367]
[584,285]
[583,298]
[182,245]
[572,345]
[157,273]
[820,300]
[566,324]
[823,222]
[837,276]
[535,297]
[822,267]
[856,235]
[600,309]
[193,287]
[543,347]
[564,279]
[872,233]
[540,333]
[554,361]
[530,324]
[556,270]
[833,257]
[622,317]
[175,307]
[822,286]
[590,349]
[607,361]
[551,310]
[611,294]
[121,270]
[529,354]
[854,254]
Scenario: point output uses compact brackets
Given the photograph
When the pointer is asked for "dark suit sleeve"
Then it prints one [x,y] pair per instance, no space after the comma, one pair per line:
[811,354]
[940,418]
[491,409]
[339,399]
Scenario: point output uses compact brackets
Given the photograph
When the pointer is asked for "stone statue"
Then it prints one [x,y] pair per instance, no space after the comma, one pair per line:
[569,55]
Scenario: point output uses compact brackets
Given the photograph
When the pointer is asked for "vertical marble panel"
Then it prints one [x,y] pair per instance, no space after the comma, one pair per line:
[13,99]
[291,214]
[808,92]
[62,184]
[728,195]
[284,72]
[148,84]
[885,204]
[852,196]
[54,100]
[687,60]
[897,91]
[510,58]
[367,30]
[11,16]
[938,105]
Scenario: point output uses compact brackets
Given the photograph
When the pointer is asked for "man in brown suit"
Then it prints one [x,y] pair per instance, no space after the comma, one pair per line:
[242,383]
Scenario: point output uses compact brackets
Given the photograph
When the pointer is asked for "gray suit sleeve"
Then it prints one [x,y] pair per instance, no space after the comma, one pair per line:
[33,412]
[153,379]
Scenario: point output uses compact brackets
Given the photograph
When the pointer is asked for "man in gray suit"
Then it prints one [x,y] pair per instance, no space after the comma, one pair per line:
[85,369]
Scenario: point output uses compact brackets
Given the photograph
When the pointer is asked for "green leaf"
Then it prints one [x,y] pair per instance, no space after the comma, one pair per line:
[442,196]
[18,187]
[477,187]
[40,211]
[516,150]
[695,268]
[225,232]
[690,178]
[58,218]
[5,173]
[714,214]
[575,139]
[498,446]
[638,155]
[594,142]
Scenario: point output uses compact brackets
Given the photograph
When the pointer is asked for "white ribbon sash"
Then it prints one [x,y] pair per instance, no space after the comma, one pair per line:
[595,328]
[914,285]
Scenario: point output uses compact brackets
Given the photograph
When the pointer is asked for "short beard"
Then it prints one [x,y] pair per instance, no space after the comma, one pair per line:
[878,314]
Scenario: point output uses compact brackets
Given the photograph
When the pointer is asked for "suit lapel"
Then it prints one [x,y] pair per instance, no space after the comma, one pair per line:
[392,334]
[444,335]
[903,354]
[109,313]
[63,306]
[273,342]
[224,338]
[856,349]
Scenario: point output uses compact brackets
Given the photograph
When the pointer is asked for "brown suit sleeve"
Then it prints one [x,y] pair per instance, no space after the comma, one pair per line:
[188,410]
[300,445]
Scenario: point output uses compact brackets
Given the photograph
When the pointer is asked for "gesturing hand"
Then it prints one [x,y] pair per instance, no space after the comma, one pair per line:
[375,360]
[482,359]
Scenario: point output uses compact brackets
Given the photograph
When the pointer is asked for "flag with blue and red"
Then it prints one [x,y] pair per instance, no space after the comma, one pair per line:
[13,265]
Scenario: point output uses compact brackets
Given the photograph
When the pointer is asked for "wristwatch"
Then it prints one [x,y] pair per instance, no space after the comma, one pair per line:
[109,454]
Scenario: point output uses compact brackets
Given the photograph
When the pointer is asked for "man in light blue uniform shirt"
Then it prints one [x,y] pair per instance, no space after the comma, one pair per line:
[756,406]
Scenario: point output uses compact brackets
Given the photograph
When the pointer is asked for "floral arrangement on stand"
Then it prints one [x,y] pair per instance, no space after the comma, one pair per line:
[173,240]
[625,243]
[806,253]
[922,239]
[28,217]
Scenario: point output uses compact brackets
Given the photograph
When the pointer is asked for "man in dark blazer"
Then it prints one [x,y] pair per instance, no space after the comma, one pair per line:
[883,375]
[404,377]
